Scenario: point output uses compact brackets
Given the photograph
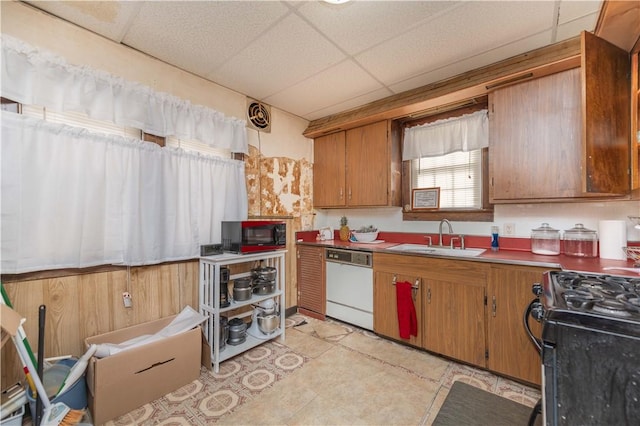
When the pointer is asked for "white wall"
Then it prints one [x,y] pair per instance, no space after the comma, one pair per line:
[561,216]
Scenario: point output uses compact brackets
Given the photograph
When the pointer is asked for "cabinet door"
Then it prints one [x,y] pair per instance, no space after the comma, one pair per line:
[368,165]
[329,170]
[311,286]
[385,308]
[605,76]
[535,139]
[511,352]
[454,319]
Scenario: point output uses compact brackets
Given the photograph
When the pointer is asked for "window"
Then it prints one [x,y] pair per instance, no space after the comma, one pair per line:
[458,175]
[79,119]
[197,146]
[461,176]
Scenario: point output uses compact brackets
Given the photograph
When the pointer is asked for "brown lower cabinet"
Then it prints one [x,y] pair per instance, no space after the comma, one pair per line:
[312,299]
[511,352]
[454,318]
[385,312]
[468,311]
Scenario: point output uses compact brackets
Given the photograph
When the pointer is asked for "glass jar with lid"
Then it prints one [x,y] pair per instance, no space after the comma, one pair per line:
[580,242]
[545,240]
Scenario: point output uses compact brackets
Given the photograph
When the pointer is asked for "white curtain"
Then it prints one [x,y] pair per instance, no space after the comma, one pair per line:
[465,133]
[71,198]
[35,77]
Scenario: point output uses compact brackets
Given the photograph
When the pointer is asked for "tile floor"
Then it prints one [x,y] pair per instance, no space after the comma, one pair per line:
[353,376]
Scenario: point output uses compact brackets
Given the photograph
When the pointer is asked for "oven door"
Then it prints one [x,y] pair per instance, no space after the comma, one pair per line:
[590,376]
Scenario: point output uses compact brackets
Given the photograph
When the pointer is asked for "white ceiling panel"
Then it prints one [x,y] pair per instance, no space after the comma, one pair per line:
[201,36]
[339,83]
[285,55]
[356,26]
[474,62]
[570,28]
[351,103]
[430,47]
[107,18]
[313,59]
[572,10]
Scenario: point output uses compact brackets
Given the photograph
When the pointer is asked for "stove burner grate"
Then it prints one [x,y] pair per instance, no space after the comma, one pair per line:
[611,307]
[605,294]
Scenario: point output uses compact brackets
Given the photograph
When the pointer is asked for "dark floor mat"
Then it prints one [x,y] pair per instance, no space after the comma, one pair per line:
[467,405]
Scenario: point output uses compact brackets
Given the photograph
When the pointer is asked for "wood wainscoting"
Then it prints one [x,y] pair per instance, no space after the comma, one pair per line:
[81,305]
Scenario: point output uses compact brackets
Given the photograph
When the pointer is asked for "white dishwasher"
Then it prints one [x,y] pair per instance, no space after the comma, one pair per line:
[349,285]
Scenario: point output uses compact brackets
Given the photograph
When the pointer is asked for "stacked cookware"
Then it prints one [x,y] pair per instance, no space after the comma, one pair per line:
[262,282]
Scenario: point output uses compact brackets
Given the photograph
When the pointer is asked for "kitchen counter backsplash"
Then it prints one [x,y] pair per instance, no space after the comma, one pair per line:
[512,250]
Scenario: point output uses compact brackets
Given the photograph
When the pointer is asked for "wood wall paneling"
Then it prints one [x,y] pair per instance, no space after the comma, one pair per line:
[84,305]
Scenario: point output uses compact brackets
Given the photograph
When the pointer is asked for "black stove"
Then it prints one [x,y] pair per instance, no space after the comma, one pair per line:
[590,347]
[595,300]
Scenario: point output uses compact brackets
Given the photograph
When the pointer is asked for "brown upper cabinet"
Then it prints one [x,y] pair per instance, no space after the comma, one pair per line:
[565,135]
[359,167]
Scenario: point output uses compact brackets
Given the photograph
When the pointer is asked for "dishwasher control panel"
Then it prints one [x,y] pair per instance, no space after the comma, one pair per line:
[350,257]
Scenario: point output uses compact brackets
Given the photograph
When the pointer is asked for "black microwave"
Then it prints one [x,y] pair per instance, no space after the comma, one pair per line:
[250,236]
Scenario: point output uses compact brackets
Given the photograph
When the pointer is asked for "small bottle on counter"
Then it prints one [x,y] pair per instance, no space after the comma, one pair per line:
[495,246]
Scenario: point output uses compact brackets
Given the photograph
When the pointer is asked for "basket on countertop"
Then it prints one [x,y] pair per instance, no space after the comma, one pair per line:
[633,253]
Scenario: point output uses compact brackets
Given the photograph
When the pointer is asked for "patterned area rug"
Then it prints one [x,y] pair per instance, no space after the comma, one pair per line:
[213,395]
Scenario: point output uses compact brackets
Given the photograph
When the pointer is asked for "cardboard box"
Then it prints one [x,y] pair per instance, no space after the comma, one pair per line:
[127,380]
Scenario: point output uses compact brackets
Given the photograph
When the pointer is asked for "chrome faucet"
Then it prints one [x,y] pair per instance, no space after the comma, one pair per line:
[443,221]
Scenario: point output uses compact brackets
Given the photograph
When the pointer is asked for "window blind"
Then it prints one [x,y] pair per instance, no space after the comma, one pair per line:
[458,175]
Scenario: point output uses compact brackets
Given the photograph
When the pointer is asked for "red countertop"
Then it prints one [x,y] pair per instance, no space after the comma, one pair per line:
[516,251]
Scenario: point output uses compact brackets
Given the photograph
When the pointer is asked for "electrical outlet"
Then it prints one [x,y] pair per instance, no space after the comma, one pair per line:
[126,299]
[509,229]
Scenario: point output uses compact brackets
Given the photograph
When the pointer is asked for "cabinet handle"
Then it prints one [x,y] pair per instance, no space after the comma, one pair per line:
[414,289]
[341,193]
[493,306]
[429,296]
[349,193]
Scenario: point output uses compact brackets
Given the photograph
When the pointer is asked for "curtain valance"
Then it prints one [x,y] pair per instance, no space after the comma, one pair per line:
[465,133]
[71,198]
[36,77]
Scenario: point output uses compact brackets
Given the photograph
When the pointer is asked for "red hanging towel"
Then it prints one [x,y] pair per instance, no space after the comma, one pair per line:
[407,319]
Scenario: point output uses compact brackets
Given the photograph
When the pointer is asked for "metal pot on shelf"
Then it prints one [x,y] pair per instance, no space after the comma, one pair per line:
[266,273]
[263,287]
[242,289]
[237,331]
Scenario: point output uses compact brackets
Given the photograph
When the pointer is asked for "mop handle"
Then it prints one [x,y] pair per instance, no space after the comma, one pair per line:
[22,352]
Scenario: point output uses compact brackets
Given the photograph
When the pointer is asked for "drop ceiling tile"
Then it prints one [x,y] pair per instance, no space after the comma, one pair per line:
[351,103]
[107,18]
[461,33]
[288,53]
[356,26]
[337,84]
[572,28]
[200,36]
[571,10]
[474,62]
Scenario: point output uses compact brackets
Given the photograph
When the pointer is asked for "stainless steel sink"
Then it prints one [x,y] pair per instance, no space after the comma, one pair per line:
[436,250]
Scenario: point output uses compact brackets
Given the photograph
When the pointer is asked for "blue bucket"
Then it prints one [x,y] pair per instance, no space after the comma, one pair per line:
[75,397]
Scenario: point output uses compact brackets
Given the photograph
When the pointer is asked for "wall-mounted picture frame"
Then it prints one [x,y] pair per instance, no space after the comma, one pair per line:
[425,198]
